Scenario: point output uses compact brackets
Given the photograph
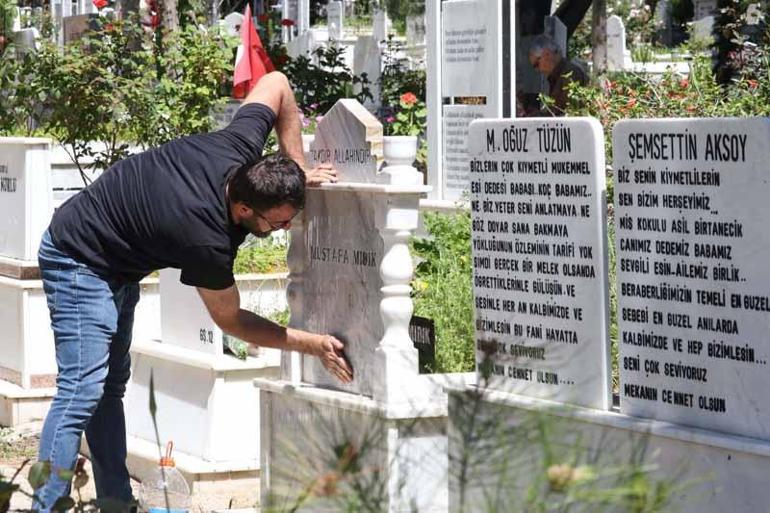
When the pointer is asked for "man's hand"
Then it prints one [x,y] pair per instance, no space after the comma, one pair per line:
[322,173]
[330,352]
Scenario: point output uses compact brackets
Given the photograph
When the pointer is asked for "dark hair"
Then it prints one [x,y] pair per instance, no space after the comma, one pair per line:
[273,181]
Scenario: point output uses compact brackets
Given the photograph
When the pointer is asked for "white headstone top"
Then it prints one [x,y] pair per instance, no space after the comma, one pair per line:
[380,25]
[540,261]
[233,22]
[616,44]
[349,137]
[692,244]
[367,59]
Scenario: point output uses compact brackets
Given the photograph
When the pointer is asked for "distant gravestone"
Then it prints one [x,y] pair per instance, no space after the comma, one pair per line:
[367,59]
[232,23]
[704,8]
[554,28]
[380,25]
[73,27]
[26,40]
[540,261]
[617,54]
[16,19]
[334,19]
[415,30]
[692,242]
[350,138]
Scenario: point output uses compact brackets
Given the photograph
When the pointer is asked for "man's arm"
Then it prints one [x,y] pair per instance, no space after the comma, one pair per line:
[224,308]
[275,91]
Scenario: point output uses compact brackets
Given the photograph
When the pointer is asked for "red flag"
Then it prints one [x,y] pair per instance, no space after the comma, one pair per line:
[251,62]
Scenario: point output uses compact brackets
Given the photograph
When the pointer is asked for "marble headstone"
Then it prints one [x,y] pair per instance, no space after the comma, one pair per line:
[26,202]
[538,212]
[415,30]
[691,210]
[334,19]
[350,138]
[704,8]
[470,50]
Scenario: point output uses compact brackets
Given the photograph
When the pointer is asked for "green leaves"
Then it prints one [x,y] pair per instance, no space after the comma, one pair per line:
[39,474]
[63,504]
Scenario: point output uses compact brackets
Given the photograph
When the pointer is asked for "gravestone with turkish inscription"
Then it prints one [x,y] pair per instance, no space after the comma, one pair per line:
[26,198]
[691,216]
[350,138]
[538,211]
[343,245]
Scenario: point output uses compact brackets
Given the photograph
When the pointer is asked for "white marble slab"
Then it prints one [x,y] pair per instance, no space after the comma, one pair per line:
[691,213]
[335,19]
[26,202]
[540,261]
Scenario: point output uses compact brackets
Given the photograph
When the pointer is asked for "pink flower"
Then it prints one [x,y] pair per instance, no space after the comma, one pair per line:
[408,99]
[390,119]
[318,119]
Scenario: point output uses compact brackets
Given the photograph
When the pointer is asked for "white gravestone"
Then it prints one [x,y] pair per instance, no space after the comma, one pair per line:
[540,263]
[26,201]
[618,57]
[350,138]
[334,19]
[380,25]
[692,249]
[367,58]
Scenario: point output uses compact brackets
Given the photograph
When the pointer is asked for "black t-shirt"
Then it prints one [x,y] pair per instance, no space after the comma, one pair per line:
[166,207]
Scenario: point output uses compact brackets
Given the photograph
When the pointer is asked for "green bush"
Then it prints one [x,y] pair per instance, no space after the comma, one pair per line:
[443,291]
[322,84]
[261,257]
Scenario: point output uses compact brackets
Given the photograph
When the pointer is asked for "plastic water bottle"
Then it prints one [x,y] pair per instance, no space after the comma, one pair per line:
[165,490]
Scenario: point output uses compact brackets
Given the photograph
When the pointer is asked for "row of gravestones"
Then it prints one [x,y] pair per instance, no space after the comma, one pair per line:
[692,290]
[692,311]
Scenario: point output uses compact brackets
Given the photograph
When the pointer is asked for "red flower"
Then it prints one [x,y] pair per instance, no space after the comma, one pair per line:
[408,99]
[286,22]
[684,83]
[154,21]
[100,4]
[263,18]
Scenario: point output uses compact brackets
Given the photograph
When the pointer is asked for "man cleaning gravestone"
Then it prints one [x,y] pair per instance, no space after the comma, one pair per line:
[188,204]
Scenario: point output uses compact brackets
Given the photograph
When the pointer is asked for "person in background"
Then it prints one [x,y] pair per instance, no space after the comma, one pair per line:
[546,57]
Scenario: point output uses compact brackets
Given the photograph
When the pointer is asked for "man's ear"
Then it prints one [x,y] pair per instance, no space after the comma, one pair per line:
[243,210]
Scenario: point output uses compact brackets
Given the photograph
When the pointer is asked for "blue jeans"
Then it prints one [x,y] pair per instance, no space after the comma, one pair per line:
[92,319]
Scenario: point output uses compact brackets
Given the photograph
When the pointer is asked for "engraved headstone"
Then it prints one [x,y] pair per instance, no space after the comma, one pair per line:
[540,262]
[26,203]
[474,44]
[692,248]
[350,138]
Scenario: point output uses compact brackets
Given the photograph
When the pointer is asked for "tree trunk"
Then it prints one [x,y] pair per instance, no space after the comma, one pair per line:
[599,36]
[169,17]
[571,13]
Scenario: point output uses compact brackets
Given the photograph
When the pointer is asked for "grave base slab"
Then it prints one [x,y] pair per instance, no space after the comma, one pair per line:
[206,403]
[22,405]
[526,439]
[323,450]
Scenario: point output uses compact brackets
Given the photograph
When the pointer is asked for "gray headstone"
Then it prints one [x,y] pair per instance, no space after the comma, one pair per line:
[704,8]
[540,258]
[26,39]
[367,59]
[557,31]
[692,245]
[334,19]
[415,30]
